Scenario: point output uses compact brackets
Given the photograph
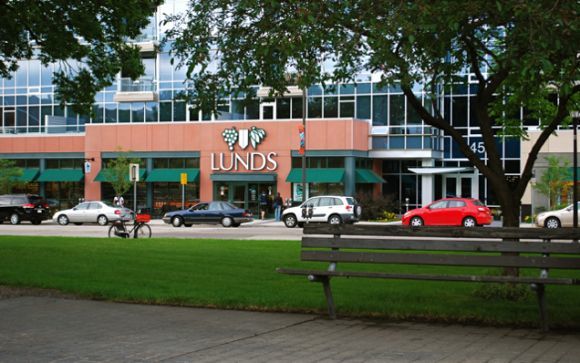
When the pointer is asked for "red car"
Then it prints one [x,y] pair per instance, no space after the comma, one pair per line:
[465,212]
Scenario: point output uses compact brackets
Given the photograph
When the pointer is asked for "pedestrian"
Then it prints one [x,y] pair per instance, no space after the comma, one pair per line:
[263,204]
[278,202]
[118,201]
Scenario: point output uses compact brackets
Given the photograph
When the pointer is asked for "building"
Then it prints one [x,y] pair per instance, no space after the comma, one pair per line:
[360,138]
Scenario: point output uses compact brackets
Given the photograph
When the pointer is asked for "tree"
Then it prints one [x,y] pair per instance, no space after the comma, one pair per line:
[553,182]
[9,174]
[117,173]
[520,53]
[87,39]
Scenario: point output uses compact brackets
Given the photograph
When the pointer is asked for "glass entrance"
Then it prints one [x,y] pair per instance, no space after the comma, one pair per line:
[462,185]
[246,195]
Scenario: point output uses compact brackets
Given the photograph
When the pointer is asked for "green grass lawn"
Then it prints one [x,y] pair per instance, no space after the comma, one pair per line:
[241,275]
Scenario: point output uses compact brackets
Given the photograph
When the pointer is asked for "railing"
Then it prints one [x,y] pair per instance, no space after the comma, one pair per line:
[138,85]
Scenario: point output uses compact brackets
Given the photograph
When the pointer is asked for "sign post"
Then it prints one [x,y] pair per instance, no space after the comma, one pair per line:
[134,177]
[183,184]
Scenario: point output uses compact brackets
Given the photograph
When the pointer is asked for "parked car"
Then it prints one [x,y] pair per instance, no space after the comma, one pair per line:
[557,218]
[327,209]
[225,213]
[465,212]
[92,212]
[23,207]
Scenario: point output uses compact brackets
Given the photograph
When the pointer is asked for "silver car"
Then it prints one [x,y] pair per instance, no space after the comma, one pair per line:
[557,218]
[92,212]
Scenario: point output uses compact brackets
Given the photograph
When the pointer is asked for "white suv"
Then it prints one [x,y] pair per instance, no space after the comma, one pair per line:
[331,209]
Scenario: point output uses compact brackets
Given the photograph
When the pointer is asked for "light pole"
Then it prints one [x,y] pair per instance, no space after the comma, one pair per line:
[304,139]
[575,176]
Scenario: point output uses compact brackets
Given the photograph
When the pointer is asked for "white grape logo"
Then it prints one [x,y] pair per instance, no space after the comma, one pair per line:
[254,136]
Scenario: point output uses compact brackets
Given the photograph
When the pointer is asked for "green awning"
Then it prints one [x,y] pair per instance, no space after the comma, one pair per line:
[367,176]
[61,175]
[172,175]
[28,175]
[103,177]
[316,175]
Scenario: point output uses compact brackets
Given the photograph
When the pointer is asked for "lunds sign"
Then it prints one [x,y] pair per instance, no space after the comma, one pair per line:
[253,161]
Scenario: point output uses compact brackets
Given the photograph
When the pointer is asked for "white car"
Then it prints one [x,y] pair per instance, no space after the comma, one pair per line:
[327,209]
[92,212]
[557,218]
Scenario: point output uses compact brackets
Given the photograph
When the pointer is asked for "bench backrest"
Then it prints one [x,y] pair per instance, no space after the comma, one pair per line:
[446,246]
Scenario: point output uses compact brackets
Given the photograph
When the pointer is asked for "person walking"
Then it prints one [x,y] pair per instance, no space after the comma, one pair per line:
[278,202]
[263,204]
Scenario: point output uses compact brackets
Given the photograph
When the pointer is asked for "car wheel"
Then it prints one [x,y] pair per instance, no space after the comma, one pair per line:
[62,220]
[552,222]
[227,222]
[102,220]
[469,222]
[78,223]
[177,221]
[290,220]
[357,211]
[416,222]
[334,219]
[14,218]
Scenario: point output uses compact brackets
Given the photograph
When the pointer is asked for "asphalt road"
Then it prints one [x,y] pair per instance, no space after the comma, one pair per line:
[256,230]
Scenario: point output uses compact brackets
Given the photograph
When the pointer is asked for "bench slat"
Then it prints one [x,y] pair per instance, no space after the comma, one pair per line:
[442,259]
[485,232]
[440,245]
[467,278]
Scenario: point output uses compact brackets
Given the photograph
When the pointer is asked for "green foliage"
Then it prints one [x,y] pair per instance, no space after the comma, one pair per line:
[520,54]
[9,174]
[552,183]
[240,274]
[510,292]
[117,173]
[375,208]
[87,39]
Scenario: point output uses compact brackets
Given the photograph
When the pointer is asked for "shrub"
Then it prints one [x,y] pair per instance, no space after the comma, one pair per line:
[374,208]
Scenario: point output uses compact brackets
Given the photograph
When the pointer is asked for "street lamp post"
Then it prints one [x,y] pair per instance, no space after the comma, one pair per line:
[575,175]
[304,151]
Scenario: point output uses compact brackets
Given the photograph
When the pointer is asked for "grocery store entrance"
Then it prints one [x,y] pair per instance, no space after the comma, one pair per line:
[245,194]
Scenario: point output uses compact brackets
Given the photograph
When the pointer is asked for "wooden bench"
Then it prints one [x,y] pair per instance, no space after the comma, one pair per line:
[443,246]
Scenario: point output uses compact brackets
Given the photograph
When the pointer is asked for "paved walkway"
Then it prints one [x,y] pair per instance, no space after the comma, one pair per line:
[54,329]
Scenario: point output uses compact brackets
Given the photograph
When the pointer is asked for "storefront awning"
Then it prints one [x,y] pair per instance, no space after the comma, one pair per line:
[104,177]
[333,175]
[172,175]
[432,171]
[367,176]
[28,175]
[244,177]
[61,175]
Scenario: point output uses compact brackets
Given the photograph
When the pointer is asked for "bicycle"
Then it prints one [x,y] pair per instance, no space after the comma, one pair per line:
[139,229]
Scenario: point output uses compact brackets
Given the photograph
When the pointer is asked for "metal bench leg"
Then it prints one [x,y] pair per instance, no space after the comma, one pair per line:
[329,300]
[540,292]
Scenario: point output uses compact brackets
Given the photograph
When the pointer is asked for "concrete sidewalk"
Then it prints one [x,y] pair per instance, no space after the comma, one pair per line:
[45,328]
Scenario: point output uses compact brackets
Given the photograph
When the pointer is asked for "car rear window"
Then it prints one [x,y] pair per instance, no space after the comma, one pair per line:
[478,203]
[350,201]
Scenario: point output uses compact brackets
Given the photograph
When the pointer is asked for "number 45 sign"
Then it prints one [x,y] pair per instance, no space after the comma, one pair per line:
[478,147]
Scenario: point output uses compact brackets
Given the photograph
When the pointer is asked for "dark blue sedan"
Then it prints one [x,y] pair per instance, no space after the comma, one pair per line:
[209,213]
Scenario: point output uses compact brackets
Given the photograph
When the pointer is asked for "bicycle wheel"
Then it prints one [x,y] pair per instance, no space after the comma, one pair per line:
[143,231]
[112,231]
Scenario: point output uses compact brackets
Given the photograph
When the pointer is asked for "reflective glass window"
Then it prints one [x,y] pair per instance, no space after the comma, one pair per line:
[397,110]
[314,107]
[330,107]
[380,110]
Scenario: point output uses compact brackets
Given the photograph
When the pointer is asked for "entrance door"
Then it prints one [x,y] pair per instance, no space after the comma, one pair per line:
[461,185]
[244,195]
